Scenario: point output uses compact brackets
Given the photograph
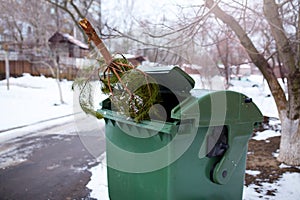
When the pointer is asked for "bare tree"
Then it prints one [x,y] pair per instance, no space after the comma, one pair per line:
[31,26]
[269,34]
[287,48]
[227,51]
[12,28]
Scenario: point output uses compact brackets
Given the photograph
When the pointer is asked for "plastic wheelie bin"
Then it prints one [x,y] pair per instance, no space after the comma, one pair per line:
[198,152]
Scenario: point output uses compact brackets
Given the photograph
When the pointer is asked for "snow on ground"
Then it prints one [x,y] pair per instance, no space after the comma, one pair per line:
[252,172]
[266,134]
[34,99]
[256,88]
[30,105]
[287,187]
[98,183]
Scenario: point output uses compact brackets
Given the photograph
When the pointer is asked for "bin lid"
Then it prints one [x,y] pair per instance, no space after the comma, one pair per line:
[217,108]
[171,77]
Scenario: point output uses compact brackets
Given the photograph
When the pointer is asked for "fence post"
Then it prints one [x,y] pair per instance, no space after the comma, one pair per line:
[7,73]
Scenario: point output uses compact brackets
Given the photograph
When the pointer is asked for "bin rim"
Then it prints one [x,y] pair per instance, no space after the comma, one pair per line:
[201,100]
[153,125]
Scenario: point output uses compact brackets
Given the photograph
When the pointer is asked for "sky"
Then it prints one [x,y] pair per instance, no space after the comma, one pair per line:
[153,10]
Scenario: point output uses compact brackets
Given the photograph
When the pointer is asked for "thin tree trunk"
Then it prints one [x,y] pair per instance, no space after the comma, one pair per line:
[57,78]
[7,72]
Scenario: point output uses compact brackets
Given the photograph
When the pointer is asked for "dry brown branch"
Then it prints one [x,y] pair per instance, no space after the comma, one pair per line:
[92,36]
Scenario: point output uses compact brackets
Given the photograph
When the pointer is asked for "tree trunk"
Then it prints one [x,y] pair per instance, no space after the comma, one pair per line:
[290,133]
[289,144]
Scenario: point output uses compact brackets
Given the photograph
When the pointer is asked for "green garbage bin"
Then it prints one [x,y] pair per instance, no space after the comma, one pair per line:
[199,152]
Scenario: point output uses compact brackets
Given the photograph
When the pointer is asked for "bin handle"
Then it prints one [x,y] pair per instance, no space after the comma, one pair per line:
[238,141]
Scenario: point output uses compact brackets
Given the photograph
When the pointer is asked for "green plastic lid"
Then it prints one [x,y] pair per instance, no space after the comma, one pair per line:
[171,77]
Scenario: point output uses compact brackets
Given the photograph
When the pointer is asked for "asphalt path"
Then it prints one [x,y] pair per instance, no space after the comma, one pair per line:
[50,164]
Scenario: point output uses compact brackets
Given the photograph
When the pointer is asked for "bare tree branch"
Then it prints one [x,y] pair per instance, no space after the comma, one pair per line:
[257,58]
[283,44]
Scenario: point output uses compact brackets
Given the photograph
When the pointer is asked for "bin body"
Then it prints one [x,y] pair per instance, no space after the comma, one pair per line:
[188,178]
[204,147]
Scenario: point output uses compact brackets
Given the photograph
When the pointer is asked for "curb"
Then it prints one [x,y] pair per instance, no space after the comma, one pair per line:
[38,122]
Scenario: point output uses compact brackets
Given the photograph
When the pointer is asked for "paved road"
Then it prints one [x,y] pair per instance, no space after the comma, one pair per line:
[49,164]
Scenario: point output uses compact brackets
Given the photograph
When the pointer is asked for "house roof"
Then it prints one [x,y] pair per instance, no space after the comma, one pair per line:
[65,37]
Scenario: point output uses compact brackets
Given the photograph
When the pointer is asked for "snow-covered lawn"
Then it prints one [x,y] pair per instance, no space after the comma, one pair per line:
[34,99]
[256,88]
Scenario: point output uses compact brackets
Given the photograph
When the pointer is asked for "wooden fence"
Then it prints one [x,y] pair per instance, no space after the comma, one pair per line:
[18,67]
[69,66]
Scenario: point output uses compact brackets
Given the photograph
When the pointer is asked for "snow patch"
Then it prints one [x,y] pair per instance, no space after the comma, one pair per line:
[286,187]
[282,165]
[78,169]
[252,172]
[265,135]
[16,154]
[53,166]
[98,183]
[275,154]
